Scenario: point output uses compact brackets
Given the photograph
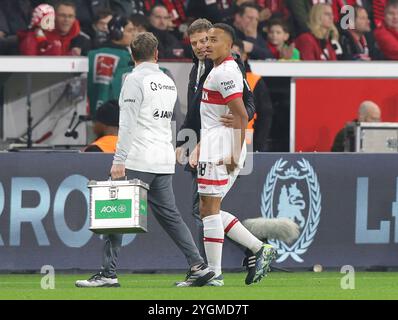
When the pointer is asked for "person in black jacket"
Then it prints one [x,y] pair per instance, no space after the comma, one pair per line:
[197,77]
[99,32]
[262,121]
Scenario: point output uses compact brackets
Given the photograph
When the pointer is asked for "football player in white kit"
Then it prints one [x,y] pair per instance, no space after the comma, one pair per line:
[221,154]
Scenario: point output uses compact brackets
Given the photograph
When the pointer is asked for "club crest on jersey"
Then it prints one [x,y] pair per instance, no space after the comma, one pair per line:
[295,194]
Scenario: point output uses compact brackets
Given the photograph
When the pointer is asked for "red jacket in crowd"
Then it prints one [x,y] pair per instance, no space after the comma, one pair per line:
[312,48]
[65,40]
[387,39]
[35,43]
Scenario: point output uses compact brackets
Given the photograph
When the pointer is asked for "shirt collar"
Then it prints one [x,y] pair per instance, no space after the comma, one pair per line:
[147,65]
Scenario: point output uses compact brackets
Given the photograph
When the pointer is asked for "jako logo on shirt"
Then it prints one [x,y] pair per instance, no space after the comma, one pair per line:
[162,114]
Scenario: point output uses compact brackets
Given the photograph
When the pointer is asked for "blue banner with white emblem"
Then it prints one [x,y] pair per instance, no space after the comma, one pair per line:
[346,206]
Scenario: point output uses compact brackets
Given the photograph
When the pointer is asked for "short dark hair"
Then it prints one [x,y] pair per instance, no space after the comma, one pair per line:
[279,22]
[139,20]
[239,43]
[199,25]
[65,3]
[242,8]
[227,29]
[144,46]
[101,14]
[108,113]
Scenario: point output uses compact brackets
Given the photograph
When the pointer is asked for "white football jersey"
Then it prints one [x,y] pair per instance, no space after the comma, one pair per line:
[223,84]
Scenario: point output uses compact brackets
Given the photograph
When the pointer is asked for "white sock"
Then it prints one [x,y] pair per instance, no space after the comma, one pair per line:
[213,232]
[237,232]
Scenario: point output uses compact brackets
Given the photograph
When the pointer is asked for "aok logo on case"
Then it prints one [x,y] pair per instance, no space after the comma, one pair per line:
[112,209]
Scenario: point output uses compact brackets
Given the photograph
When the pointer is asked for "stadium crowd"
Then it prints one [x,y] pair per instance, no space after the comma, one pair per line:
[322,30]
[269,29]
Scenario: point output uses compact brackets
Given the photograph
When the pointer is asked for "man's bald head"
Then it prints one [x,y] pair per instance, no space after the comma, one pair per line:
[369,112]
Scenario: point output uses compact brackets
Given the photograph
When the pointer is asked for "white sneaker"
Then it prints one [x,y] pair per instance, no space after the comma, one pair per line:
[215,282]
[197,278]
[96,281]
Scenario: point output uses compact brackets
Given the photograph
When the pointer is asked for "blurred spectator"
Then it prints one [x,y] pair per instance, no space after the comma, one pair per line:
[272,9]
[106,127]
[140,23]
[176,9]
[299,10]
[337,5]
[99,32]
[357,41]
[260,125]
[88,11]
[14,16]
[379,7]
[387,34]
[169,46]
[109,65]
[213,10]
[128,7]
[17,15]
[317,44]
[246,25]
[278,35]
[33,41]
[67,31]
[368,112]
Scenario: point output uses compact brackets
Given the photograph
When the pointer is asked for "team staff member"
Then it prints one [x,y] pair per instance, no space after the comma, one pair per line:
[145,151]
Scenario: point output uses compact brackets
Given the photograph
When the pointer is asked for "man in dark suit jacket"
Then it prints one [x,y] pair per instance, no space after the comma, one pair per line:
[200,70]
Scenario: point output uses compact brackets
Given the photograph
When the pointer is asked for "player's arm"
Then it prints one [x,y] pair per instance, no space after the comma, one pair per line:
[130,101]
[239,112]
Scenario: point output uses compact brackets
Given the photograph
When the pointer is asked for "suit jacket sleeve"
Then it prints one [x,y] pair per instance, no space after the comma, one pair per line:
[262,125]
